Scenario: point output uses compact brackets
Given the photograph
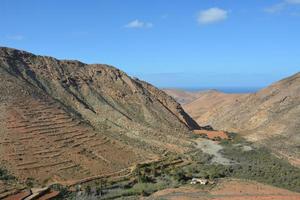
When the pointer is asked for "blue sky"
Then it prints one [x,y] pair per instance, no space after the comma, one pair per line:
[170,43]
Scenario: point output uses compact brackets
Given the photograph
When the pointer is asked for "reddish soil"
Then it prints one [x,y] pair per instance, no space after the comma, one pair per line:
[250,190]
[212,134]
[228,190]
[7,189]
[44,142]
[18,196]
[49,195]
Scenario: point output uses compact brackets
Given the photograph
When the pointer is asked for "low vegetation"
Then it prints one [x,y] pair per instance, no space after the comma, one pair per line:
[248,162]
[5,176]
[261,165]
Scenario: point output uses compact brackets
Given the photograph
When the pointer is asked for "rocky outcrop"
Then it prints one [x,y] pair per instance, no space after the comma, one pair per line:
[100,93]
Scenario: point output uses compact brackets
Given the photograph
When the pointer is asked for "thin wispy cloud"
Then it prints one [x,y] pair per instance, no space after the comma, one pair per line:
[278,7]
[293,1]
[212,15]
[15,37]
[138,24]
[275,8]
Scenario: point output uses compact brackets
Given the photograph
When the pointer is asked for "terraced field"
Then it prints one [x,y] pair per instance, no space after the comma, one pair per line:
[44,142]
[68,122]
[6,189]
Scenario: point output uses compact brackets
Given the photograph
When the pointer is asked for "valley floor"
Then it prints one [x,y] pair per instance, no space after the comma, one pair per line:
[227,189]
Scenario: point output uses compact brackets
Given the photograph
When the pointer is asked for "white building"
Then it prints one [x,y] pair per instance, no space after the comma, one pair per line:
[199,180]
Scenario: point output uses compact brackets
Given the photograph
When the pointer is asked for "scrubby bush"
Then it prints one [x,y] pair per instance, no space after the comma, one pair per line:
[30,182]
[63,191]
[200,157]
[4,175]
[88,190]
[260,165]
[180,175]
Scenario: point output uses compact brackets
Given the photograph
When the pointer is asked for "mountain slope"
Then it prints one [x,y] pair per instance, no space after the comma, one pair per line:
[270,116]
[65,120]
[181,96]
[209,102]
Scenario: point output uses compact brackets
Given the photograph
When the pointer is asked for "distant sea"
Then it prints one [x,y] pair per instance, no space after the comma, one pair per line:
[223,89]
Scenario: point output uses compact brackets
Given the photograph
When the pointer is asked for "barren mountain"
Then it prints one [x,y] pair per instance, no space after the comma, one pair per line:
[64,121]
[210,102]
[183,97]
[270,116]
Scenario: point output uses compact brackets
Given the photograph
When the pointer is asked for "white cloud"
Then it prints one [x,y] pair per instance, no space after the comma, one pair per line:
[275,8]
[212,15]
[15,37]
[281,6]
[138,24]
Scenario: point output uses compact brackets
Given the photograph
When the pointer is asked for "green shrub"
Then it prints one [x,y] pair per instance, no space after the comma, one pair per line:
[260,165]
[200,157]
[4,175]
[88,190]
[30,182]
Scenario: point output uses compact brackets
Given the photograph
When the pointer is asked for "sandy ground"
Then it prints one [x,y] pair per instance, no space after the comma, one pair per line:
[212,148]
[228,189]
